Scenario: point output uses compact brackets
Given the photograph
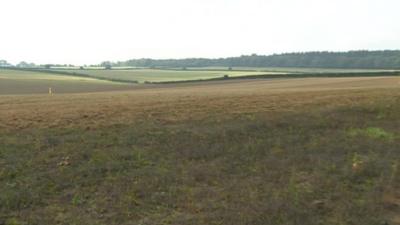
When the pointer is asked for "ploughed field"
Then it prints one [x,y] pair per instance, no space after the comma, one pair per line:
[95,80]
[298,151]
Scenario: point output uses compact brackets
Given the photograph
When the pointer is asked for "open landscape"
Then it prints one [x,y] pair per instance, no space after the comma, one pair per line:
[211,112]
[286,151]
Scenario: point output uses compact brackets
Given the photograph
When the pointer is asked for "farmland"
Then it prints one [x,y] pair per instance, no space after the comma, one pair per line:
[293,70]
[31,81]
[162,75]
[297,151]
[242,112]
[27,82]
[147,75]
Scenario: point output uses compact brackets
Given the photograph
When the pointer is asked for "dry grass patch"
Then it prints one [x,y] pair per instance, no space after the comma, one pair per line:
[216,154]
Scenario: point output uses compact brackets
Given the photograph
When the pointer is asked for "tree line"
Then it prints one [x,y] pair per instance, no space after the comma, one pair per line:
[388,59]
[23,64]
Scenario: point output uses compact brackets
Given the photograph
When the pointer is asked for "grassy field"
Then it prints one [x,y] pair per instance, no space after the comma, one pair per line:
[300,151]
[146,75]
[290,70]
[155,75]
[26,82]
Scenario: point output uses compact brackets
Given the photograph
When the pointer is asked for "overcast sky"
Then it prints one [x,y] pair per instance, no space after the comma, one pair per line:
[85,32]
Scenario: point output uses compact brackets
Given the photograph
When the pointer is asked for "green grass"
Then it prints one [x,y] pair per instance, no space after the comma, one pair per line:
[155,75]
[292,69]
[29,75]
[27,82]
[372,132]
[167,75]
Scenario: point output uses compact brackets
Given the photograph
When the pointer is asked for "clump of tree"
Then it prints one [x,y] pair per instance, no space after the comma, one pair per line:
[24,64]
[4,63]
[388,59]
[107,65]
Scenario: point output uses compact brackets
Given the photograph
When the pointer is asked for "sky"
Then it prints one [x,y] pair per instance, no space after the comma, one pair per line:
[90,31]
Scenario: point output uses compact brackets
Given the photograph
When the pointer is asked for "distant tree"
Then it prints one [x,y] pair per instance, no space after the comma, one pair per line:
[107,65]
[184,68]
[352,59]
[81,68]
[48,66]
[23,64]
[4,63]
[229,68]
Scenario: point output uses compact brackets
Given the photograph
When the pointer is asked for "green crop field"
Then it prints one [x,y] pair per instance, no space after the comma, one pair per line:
[26,82]
[289,70]
[155,75]
[143,75]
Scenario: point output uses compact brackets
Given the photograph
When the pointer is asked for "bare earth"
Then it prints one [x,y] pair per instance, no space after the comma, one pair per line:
[319,112]
[189,101]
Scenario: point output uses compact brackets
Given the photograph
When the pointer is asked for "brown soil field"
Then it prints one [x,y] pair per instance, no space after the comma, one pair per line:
[189,101]
[247,152]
